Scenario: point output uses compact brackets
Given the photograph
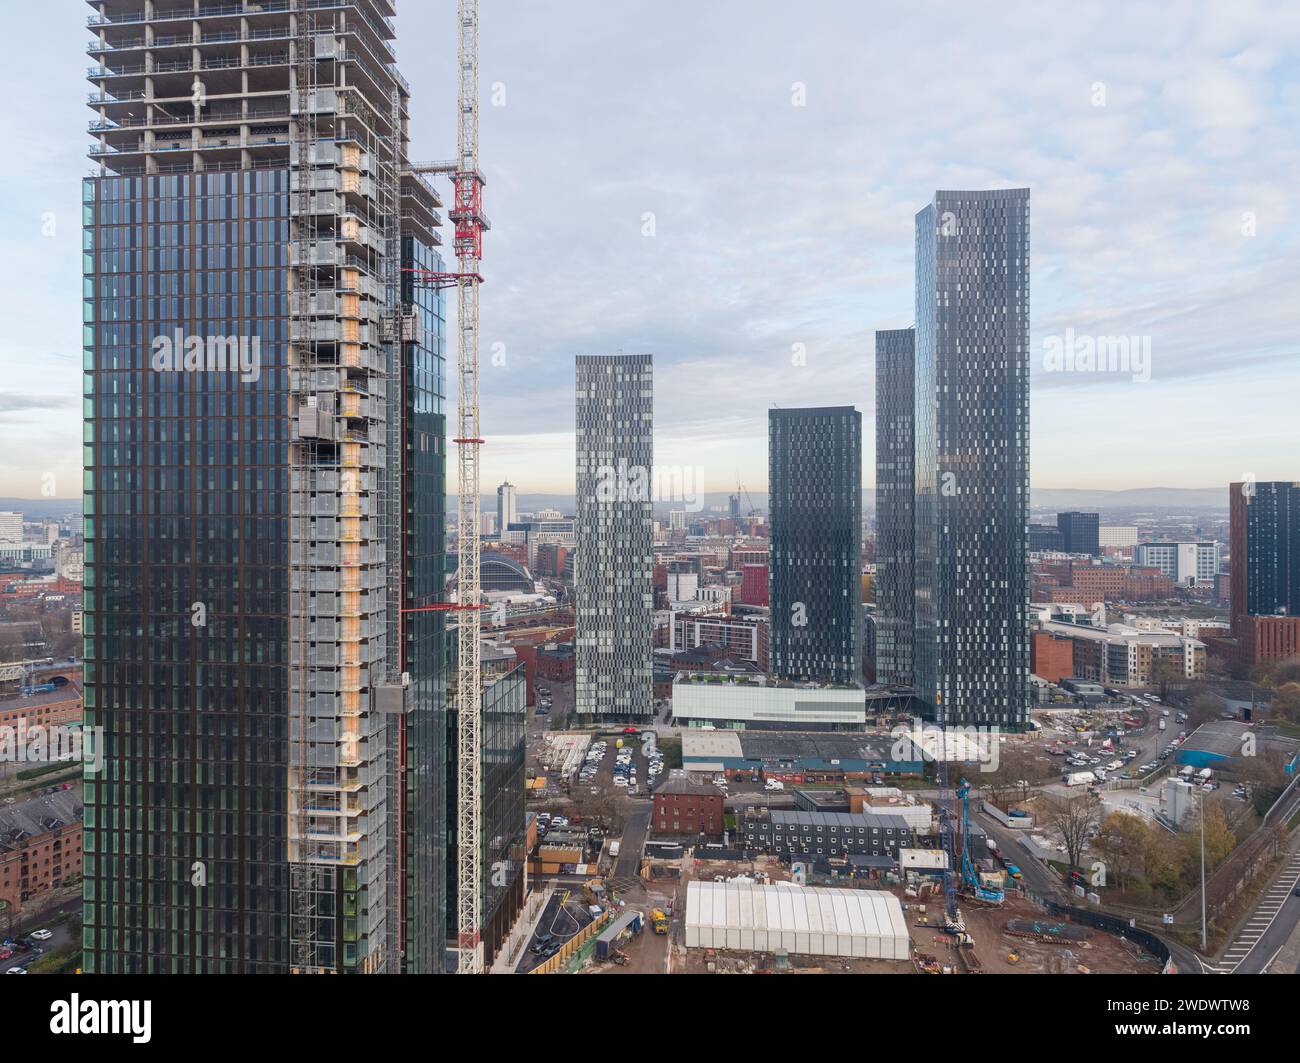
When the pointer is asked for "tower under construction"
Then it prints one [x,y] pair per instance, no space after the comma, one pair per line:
[265,454]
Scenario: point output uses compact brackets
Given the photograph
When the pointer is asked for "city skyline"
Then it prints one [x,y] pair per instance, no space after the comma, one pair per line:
[1100,145]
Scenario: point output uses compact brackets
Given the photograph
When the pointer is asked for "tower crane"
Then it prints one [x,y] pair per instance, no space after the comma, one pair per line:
[470,224]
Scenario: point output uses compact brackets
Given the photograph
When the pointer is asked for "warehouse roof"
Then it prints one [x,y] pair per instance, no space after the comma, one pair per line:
[682,783]
[798,919]
[711,744]
[838,819]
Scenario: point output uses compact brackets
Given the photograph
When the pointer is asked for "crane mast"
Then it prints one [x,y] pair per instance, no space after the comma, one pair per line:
[467,215]
[470,224]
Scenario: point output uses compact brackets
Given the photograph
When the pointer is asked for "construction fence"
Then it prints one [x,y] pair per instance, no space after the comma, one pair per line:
[571,947]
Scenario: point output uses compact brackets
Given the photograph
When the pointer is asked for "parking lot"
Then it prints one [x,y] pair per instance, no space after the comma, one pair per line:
[566,914]
[628,768]
[1113,742]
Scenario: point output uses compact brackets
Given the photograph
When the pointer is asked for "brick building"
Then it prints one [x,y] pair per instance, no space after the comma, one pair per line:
[683,805]
[40,846]
[1051,656]
[1090,584]
[59,706]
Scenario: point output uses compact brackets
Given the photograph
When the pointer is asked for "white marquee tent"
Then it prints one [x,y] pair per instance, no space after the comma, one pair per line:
[799,920]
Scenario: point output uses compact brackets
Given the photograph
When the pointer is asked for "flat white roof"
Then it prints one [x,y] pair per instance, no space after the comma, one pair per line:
[874,916]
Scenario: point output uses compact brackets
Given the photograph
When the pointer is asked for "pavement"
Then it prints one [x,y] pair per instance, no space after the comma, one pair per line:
[1268,929]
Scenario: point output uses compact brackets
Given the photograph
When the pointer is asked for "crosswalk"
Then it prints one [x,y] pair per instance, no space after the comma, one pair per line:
[1261,919]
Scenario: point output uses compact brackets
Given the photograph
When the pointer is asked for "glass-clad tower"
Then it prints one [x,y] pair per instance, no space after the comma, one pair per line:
[264,467]
[971,651]
[895,485]
[615,536]
[815,557]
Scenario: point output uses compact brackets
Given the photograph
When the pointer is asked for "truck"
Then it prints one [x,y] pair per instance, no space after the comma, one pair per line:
[1079,778]
[659,920]
[614,848]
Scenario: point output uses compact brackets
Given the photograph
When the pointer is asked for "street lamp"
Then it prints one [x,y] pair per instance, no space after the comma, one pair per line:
[1203,935]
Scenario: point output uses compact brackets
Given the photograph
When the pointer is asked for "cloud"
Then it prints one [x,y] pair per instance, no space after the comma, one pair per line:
[776,224]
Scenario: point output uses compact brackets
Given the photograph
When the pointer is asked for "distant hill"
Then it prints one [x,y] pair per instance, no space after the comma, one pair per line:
[35,509]
[1139,499]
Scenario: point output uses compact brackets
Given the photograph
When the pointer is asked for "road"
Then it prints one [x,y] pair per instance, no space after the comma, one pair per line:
[62,936]
[633,841]
[1275,917]
[1039,879]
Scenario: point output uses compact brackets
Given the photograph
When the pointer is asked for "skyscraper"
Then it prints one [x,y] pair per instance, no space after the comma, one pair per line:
[507,509]
[815,486]
[895,488]
[971,653]
[1264,519]
[614,569]
[263,496]
[1080,532]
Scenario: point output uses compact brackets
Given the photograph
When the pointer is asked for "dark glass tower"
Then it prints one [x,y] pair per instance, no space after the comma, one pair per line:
[895,487]
[971,654]
[614,568]
[1080,532]
[815,488]
[1265,564]
[264,483]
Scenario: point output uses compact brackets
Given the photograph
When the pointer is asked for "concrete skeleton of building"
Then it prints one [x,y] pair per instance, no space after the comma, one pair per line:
[615,536]
[254,204]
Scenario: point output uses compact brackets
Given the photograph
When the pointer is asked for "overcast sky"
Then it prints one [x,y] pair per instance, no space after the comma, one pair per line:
[779,153]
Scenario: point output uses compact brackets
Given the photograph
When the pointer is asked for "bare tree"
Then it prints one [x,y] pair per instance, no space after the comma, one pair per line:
[1075,818]
[607,807]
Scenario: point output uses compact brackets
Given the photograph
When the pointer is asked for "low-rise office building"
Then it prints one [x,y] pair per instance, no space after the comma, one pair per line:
[795,758]
[761,701]
[824,834]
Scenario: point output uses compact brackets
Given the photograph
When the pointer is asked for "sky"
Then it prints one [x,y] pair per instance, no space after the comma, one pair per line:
[732,187]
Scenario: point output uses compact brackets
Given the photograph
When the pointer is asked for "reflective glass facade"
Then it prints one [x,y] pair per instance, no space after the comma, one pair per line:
[505,745]
[424,564]
[815,557]
[615,535]
[186,585]
[895,475]
[971,653]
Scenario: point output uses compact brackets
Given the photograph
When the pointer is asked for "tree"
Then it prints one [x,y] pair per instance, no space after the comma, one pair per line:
[1204,707]
[1219,841]
[1286,703]
[1122,843]
[1074,818]
[607,807]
